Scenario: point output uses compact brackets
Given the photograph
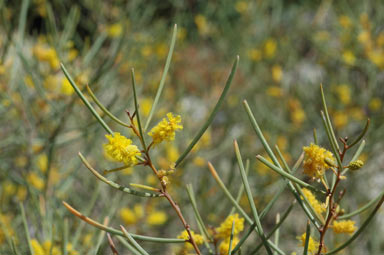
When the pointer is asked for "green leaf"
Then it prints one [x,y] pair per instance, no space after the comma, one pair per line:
[118,232]
[85,101]
[361,209]
[163,78]
[133,242]
[115,185]
[287,175]
[104,109]
[142,139]
[307,237]
[250,197]
[236,205]
[26,230]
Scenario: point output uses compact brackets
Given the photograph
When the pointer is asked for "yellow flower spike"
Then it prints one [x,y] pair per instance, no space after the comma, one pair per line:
[224,230]
[198,239]
[319,207]
[121,149]
[314,162]
[165,130]
[344,226]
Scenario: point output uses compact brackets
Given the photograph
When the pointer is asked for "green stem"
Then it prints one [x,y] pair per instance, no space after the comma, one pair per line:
[25,224]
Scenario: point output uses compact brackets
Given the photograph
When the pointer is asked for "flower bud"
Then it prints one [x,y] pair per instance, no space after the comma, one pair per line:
[356,165]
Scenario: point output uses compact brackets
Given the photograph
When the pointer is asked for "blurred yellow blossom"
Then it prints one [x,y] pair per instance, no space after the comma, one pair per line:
[36,181]
[146,51]
[364,37]
[345,21]
[128,216]
[270,47]
[199,161]
[296,111]
[156,218]
[5,228]
[241,6]
[277,73]
[115,30]
[161,50]
[47,248]
[343,92]
[274,91]
[348,57]
[340,119]
[375,104]
[47,54]
[255,54]
[202,24]
[42,162]
[66,87]
[28,80]
[314,162]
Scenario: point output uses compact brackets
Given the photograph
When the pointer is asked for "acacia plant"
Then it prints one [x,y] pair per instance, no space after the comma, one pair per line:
[318,194]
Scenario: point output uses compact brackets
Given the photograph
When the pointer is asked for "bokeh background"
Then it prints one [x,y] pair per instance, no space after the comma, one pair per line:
[286,48]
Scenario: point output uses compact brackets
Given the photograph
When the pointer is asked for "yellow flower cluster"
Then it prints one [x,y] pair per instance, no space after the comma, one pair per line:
[224,245]
[296,111]
[156,218]
[165,130]
[313,245]
[130,216]
[344,226]
[224,230]
[6,228]
[319,207]
[314,163]
[47,54]
[199,239]
[121,149]
[47,248]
